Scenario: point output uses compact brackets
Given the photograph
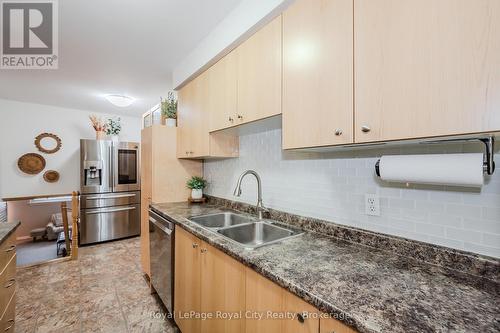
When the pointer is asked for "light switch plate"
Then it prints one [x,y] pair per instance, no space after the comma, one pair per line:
[372,204]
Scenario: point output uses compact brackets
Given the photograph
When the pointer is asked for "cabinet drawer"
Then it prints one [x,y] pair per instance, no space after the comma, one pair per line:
[8,319]
[7,250]
[7,284]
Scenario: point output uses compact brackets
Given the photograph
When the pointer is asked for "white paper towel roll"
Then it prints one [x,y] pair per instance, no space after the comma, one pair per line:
[447,169]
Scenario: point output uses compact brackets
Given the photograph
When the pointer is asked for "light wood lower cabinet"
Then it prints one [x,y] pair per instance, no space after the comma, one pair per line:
[163,177]
[222,291]
[209,283]
[330,325]
[212,284]
[262,296]
[8,284]
[187,282]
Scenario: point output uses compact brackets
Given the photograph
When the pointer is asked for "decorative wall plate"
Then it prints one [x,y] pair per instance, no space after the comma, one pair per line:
[51,176]
[56,143]
[31,163]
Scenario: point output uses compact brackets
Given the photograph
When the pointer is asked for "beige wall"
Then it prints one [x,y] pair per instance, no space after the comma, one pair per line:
[31,216]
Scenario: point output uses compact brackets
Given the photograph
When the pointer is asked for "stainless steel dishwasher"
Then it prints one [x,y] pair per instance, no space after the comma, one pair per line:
[161,247]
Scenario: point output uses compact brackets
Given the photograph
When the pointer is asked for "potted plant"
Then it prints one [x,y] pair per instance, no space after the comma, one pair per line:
[196,184]
[99,126]
[169,109]
[114,128]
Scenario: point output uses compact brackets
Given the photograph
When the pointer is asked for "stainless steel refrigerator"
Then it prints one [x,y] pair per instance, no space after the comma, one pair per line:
[110,190]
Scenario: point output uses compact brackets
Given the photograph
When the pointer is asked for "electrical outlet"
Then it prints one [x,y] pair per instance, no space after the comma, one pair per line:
[372,204]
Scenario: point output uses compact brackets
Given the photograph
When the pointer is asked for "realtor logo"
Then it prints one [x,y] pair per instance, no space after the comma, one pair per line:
[29,34]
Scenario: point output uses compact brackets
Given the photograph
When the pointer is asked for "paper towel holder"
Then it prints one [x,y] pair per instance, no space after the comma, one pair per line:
[488,163]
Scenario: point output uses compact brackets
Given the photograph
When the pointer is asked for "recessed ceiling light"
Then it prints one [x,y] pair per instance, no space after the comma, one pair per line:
[121,101]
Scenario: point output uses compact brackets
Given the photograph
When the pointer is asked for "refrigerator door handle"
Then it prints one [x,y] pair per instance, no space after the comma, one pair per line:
[100,211]
[113,196]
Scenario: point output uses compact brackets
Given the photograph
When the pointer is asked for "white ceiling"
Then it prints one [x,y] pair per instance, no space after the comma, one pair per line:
[116,47]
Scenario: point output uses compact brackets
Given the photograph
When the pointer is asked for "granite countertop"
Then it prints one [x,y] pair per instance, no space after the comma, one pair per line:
[6,229]
[367,288]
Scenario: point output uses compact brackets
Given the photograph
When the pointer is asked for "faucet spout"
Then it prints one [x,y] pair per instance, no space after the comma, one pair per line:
[237,191]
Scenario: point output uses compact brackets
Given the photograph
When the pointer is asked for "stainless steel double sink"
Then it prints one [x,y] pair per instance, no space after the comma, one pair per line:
[244,230]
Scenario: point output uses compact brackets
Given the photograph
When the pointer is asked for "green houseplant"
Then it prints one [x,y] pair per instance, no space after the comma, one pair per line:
[169,109]
[113,128]
[196,184]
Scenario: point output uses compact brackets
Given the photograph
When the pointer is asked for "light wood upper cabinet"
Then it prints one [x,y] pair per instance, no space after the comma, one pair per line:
[222,291]
[163,177]
[259,74]
[187,282]
[318,73]
[222,78]
[426,68]
[194,139]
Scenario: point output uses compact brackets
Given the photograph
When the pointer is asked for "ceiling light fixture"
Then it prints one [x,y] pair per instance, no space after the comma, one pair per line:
[121,101]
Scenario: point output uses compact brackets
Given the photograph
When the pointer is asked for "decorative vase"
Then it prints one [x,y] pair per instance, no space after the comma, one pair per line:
[115,138]
[100,135]
[171,122]
[196,193]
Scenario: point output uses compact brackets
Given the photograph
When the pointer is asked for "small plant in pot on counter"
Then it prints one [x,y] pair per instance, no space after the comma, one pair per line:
[113,128]
[196,184]
[169,109]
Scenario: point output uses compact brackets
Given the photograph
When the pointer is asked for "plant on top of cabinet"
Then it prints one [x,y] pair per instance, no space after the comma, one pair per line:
[196,185]
[169,109]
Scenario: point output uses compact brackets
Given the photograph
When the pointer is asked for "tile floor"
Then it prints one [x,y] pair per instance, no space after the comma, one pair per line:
[103,291]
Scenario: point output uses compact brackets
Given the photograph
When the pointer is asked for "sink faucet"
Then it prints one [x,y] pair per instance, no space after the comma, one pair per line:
[237,191]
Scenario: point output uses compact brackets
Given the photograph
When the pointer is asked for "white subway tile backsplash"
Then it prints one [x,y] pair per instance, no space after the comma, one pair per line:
[332,186]
[464,235]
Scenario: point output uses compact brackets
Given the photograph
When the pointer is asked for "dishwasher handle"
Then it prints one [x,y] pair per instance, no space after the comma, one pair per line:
[160,226]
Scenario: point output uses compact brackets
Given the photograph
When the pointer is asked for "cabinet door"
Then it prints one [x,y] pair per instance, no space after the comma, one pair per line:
[330,325]
[222,291]
[426,68]
[222,85]
[259,74]
[263,297]
[306,318]
[185,116]
[187,280]
[199,128]
[318,73]
[146,194]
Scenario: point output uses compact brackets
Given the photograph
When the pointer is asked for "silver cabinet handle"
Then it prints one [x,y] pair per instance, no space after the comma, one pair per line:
[10,248]
[11,322]
[365,128]
[112,197]
[195,245]
[338,132]
[231,119]
[240,116]
[203,250]
[109,210]
[10,283]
